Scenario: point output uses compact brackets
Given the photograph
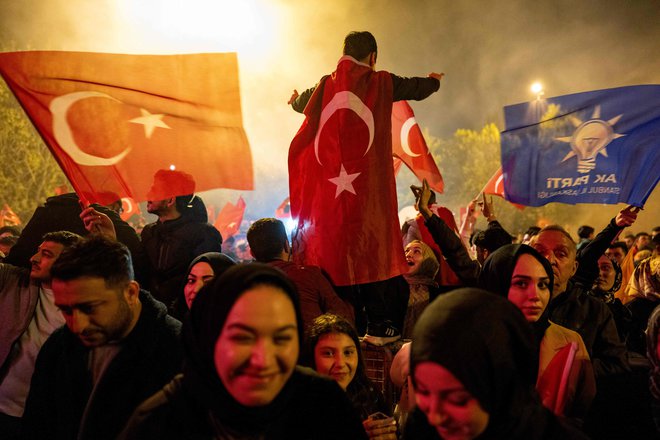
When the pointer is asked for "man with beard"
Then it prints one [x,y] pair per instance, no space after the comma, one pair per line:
[180,234]
[118,347]
[28,316]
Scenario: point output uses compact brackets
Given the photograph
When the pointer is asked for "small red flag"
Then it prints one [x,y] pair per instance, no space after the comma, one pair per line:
[552,385]
[341,179]
[284,210]
[129,208]
[409,146]
[229,219]
[113,120]
[495,186]
[8,217]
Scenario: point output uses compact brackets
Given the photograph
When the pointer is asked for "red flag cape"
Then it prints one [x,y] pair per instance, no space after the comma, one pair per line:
[495,186]
[112,120]
[341,179]
[229,218]
[409,145]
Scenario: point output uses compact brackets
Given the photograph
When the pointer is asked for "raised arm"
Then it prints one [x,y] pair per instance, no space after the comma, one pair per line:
[449,243]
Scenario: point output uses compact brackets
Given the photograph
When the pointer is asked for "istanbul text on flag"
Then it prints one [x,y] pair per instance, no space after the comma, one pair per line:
[113,120]
[409,146]
[594,147]
[341,179]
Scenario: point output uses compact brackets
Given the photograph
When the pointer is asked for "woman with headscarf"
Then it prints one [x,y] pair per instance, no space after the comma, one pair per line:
[423,266]
[473,366]
[201,271]
[240,379]
[332,348]
[606,285]
[523,276]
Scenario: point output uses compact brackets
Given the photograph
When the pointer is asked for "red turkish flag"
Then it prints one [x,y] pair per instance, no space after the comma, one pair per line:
[8,217]
[553,383]
[341,179]
[129,208]
[495,186]
[113,120]
[284,210]
[397,165]
[409,146]
[229,218]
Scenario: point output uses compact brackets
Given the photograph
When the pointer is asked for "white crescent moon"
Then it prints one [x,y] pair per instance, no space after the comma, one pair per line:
[405,131]
[350,101]
[498,182]
[62,132]
[129,204]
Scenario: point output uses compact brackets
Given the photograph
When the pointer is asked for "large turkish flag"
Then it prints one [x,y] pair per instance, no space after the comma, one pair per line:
[409,146]
[341,179]
[113,120]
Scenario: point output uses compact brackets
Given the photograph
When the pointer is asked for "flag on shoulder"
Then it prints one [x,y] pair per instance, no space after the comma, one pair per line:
[113,120]
[341,179]
[594,147]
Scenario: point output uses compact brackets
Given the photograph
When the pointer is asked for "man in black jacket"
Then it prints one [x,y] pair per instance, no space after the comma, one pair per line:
[180,234]
[118,347]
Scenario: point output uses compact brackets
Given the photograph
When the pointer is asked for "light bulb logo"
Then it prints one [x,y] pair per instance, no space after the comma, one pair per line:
[589,139]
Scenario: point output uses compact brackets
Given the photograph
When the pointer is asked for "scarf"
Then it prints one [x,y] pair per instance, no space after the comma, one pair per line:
[497,273]
[487,344]
[200,333]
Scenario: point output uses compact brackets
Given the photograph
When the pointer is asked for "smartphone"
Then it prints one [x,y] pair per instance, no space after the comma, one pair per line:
[378,416]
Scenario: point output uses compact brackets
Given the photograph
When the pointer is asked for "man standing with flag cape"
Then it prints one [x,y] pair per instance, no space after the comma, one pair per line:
[341,180]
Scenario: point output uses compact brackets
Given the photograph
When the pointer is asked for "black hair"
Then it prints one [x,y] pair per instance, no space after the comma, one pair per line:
[492,239]
[13,230]
[65,238]
[585,231]
[266,238]
[360,44]
[361,390]
[621,245]
[95,257]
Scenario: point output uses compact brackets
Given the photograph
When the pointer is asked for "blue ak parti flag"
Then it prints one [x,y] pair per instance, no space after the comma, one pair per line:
[593,147]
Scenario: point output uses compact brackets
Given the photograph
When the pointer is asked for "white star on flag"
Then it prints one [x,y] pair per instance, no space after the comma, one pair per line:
[344,181]
[150,122]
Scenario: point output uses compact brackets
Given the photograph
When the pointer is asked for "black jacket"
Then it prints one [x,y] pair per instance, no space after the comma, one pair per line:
[170,247]
[318,409]
[575,309]
[61,385]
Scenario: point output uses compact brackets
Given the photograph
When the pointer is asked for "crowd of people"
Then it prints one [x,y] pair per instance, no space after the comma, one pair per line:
[107,333]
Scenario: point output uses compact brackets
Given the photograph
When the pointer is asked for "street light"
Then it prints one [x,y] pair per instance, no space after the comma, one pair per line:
[537,89]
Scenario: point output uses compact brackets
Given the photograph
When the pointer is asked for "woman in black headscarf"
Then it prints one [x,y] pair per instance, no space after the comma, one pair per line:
[473,366]
[610,277]
[201,271]
[523,276]
[242,341]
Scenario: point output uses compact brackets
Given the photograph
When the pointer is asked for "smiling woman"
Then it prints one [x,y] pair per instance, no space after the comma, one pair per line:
[240,378]
[246,27]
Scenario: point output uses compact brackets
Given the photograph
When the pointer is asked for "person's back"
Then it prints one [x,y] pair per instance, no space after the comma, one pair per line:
[339,159]
[269,244]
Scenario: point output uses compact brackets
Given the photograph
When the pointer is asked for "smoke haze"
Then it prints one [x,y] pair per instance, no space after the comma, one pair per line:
[491,52]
